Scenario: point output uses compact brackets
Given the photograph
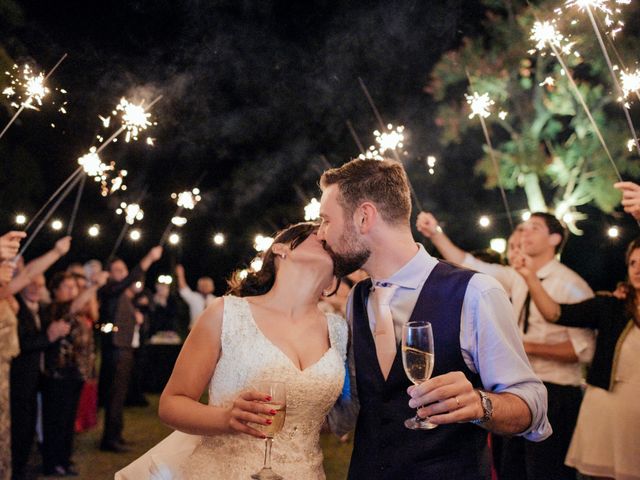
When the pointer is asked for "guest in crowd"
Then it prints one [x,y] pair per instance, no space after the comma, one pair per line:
[142,300]
[9,347]
[604,443]
[163,311]
[27,367]
[557,354]
[118,319]
[68,363]
[199,300]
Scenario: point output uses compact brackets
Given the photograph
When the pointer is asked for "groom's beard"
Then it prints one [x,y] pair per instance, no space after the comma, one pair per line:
[353,259]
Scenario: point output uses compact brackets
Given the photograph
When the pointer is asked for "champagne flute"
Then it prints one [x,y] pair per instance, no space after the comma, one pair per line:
[417,359]
[278,393]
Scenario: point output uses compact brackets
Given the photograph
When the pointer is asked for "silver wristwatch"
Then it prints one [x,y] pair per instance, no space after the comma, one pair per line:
[487,409]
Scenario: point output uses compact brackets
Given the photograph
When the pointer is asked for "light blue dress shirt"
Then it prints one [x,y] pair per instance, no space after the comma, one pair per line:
[489,340]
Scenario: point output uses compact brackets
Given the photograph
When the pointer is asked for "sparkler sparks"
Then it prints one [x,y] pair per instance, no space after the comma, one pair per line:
[135,235]
[431,163]
[480,104]
[179,221]
[262,243]
[93,165]
[132,212]
[312,210]
[391,139]
[187,199]
[610,12]
[134,118]
[629,82]
[371,154]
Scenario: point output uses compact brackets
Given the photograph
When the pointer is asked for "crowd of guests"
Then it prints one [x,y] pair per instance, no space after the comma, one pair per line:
[50,334]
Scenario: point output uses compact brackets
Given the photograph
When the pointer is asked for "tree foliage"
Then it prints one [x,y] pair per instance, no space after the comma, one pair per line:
[545,145]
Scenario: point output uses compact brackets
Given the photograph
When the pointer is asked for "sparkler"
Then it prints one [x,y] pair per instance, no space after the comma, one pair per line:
[187,199]
[431,163]
[51,211]
[481,107]
[545,34]
[76,205]
[601,4]
[312,210]
[381,124]
[34,90]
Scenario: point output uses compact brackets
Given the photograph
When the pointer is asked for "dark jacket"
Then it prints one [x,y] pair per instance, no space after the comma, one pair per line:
[608,316]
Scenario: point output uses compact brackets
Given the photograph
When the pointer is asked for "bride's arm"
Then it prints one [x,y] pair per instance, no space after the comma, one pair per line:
[180,407]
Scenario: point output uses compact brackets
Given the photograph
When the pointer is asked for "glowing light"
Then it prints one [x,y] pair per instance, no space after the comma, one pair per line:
[138,285]
[371,154]
[56,225]
[132,212]
[94,230]
[21,219]
[179,221]
[108,328]
[218,239]
[498,244]
[568,217]
[631,143]
[187,199]
[431,163]
[484,221]
[613,24]
[135,235]
[30,84]
[525,216]
[256,264]
[165,279]
[502,115]
[93,165]
[545,33]
[629,82]
[613,232]
[391,139]
[134,118]
[262,243]
[174,239]
[151,141]
[312,210]
[480,104]
[242,274]
[549,81]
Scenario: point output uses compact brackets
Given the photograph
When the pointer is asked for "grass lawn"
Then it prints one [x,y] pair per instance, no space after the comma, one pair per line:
[144,430]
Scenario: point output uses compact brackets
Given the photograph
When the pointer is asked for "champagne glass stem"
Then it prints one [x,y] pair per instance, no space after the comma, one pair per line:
[267,453]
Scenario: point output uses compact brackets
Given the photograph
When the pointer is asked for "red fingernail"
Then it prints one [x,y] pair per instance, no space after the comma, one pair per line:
[269,421]
[272,412]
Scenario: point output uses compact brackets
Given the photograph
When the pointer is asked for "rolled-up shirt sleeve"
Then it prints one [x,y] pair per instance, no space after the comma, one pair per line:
[492,347]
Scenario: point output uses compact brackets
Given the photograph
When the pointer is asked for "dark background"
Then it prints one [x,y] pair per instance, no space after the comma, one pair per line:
[256,94]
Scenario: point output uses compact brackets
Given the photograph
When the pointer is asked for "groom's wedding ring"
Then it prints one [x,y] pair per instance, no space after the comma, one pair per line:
[457,403]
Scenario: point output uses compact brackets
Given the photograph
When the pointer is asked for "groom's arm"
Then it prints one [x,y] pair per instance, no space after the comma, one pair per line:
[342,417]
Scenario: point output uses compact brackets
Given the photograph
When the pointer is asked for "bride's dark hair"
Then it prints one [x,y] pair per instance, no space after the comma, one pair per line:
[259,283]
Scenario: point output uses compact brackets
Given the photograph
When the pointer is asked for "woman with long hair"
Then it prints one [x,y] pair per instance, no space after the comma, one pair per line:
[268,327]
[604,443]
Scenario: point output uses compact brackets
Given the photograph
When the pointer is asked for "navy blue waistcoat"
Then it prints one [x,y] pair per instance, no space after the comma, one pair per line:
[383,447]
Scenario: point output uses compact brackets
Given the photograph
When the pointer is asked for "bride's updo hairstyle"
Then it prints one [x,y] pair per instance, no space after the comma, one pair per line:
[259,283]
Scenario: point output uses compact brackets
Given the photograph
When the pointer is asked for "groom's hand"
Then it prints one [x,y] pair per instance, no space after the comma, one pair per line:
[250,408]
[448,398]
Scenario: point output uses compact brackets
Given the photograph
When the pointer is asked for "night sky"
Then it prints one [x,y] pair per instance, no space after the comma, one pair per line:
[257,95]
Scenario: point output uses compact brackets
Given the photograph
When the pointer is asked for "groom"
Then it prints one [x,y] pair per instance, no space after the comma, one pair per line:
[482,379]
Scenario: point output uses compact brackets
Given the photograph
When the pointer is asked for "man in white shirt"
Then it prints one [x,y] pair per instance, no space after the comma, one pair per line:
[557,354]
[199,300]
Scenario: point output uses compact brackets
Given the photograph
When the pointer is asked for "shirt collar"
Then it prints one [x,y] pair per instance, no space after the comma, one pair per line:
[547,268]
[413,274]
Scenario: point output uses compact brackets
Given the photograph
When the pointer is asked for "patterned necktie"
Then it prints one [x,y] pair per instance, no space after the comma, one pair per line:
[384,333]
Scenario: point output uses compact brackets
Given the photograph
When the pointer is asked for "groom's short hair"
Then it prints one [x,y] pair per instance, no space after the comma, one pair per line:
[384,183]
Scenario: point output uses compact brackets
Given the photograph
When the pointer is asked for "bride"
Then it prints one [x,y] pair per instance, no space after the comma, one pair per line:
[268,328]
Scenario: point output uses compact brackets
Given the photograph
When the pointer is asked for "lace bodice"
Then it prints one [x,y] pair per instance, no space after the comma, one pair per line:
[247,356]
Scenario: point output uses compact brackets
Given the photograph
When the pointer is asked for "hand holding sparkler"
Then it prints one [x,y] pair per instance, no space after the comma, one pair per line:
[63,246]
[630,197]
[427,224]
[6,272]
[10,244]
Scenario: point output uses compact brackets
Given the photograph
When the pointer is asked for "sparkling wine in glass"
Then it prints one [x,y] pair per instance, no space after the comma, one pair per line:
[417,359]
[278,393]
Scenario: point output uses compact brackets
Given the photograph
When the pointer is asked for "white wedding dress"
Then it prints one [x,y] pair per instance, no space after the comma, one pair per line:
[248,356]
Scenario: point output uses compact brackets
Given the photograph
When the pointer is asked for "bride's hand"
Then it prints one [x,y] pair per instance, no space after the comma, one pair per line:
[248,408]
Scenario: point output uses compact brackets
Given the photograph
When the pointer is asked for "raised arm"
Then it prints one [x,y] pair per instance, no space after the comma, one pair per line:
[428,226]
[89,293]
[40,265]
[630,197]
[10,244]
[182,281]
[549,308]
[179,403]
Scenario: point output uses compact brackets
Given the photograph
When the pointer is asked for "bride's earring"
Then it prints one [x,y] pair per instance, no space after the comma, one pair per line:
[283,255]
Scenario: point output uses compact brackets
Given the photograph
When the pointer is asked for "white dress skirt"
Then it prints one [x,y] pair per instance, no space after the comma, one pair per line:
[606,441]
